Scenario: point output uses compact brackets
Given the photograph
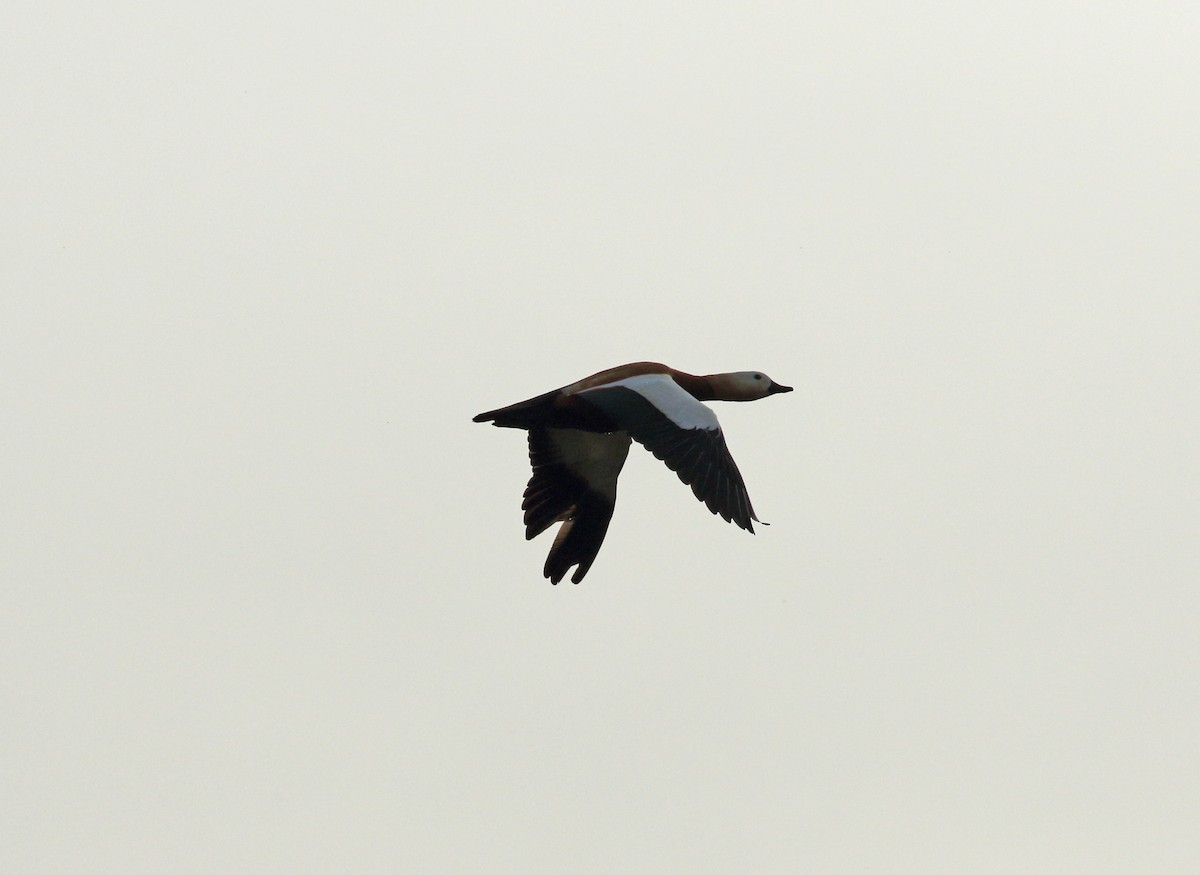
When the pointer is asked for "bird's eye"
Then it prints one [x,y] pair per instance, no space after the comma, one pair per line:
[758,376]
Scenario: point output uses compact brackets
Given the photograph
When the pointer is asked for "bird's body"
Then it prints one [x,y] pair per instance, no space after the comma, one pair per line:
[579,437]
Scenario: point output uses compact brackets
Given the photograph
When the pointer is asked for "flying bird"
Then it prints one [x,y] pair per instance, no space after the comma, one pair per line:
[579,436]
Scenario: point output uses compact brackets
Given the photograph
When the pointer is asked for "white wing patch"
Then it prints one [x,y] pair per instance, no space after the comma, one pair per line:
[670,399]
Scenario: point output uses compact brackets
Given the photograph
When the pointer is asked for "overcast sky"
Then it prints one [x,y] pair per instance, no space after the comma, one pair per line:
[266,603]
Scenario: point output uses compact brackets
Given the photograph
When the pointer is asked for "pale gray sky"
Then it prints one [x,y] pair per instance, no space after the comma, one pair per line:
[266,603]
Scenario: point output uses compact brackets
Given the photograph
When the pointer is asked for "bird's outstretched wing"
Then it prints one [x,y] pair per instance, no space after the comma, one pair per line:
[574,481]
[683,433]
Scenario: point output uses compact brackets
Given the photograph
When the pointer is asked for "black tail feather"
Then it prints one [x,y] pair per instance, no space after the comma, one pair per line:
[523,414]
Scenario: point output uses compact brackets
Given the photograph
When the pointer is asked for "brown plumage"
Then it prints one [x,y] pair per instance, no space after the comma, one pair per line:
[579,437]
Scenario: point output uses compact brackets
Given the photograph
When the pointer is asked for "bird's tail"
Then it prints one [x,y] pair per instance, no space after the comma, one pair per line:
[523,414]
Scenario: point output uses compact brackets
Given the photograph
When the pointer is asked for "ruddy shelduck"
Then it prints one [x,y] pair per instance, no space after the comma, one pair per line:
[579,436]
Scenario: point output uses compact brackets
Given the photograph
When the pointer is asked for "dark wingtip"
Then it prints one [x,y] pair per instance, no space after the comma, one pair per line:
[482,417]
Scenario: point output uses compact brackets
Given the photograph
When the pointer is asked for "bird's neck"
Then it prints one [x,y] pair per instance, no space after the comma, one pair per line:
[700,388]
